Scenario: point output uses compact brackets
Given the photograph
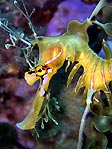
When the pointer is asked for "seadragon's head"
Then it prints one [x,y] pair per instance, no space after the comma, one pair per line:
[51,56]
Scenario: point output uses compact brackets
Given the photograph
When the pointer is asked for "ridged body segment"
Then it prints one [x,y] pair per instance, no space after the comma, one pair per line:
[98,71]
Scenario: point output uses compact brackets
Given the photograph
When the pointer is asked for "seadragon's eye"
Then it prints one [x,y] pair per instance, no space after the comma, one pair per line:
[40,71]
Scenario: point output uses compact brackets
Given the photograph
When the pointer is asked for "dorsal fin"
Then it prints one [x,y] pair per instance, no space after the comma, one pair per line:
[79,29]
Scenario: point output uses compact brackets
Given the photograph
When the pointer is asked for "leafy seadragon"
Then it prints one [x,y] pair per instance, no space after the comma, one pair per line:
[53,51]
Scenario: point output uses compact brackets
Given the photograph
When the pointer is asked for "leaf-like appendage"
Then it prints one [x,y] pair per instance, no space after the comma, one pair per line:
[55,103]
[7,46]
[42,124]
[96,140]
[107,27]
[102,123]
